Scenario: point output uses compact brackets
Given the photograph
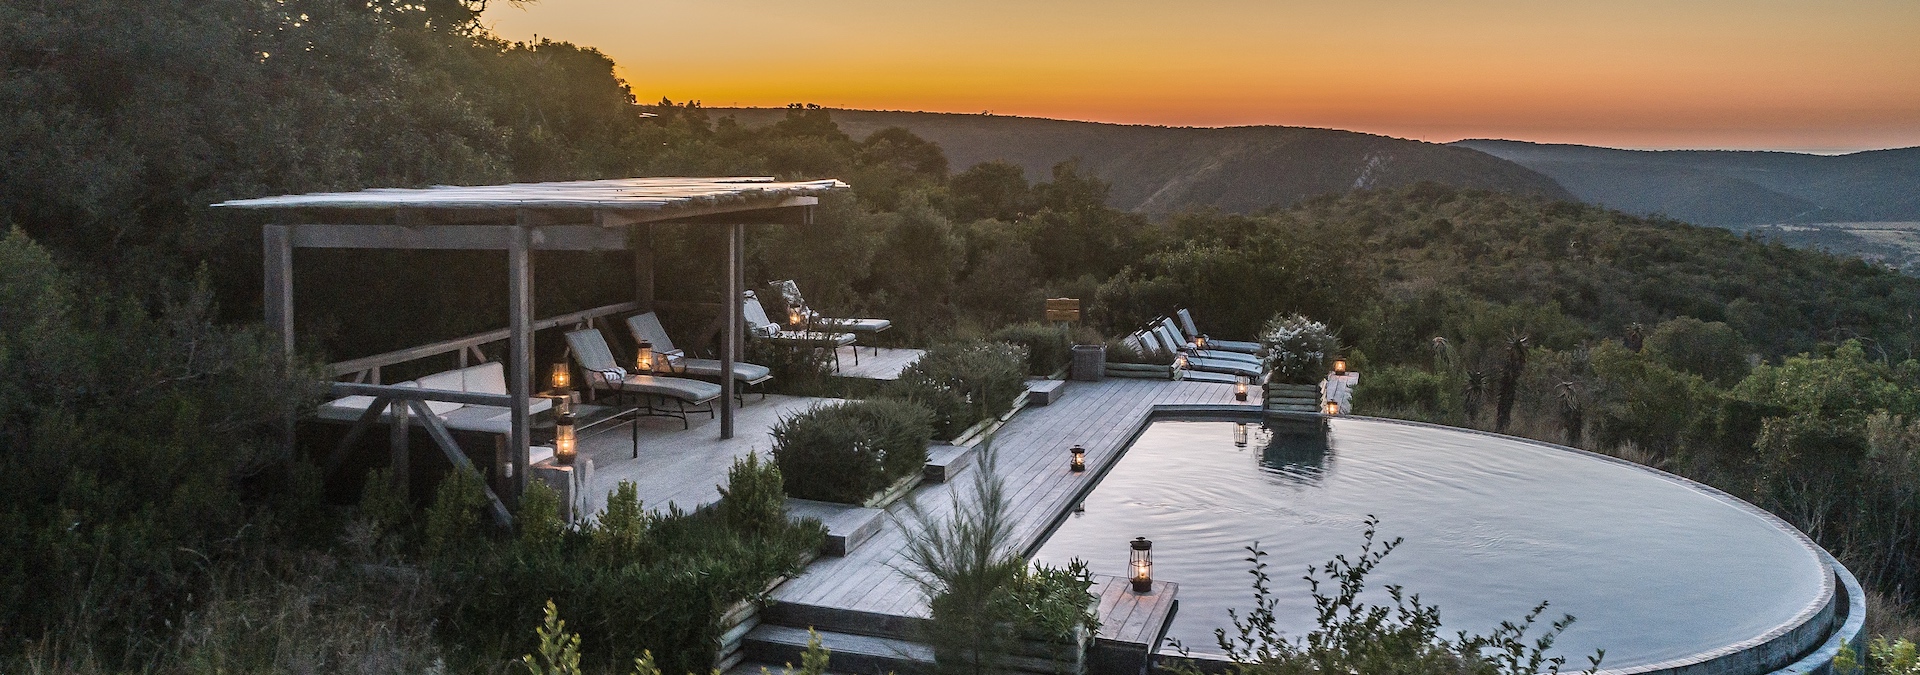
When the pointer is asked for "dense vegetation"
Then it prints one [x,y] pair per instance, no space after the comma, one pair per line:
[153,525]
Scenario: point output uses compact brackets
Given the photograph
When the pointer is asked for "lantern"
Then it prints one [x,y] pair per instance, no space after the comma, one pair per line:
[1079,459]
[796,318]
[1180,361]
[1140,567]
[1339,366]
[564,450]
[562,377]
[1333,407]
[1200,342]
[644,361]
[1240,435]
[1239,387]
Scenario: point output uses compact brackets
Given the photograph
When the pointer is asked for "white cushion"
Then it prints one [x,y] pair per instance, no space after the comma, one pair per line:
[451,380]
[539,453]
[486,378]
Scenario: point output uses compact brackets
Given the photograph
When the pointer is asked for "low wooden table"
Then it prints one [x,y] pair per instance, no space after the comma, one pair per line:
[589,420]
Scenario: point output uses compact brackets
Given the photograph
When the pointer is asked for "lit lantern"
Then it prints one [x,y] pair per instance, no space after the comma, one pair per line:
[1200,342]
[1333,407]
[1339,366]
[1180,361]
[1079,459]
[796,318]
[1240,435]
[1141,565]
[644,361]
[564,450]
[562,377]
[1239,387]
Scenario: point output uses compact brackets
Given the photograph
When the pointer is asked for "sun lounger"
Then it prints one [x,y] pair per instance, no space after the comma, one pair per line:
[797,308]
[1171,336]
[486,378]
[1201,363]
[1190,331]
[646,328]
[760,327]
[603,373]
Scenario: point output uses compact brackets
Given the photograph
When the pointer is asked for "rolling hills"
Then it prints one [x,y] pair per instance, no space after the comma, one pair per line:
[1735,189]
[1166,169]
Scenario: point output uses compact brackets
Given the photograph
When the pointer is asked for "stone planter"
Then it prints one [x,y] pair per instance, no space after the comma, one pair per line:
[1088,362]
[1293,398]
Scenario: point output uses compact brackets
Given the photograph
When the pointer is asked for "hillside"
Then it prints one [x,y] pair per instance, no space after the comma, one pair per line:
[1730,188]
[1167,169]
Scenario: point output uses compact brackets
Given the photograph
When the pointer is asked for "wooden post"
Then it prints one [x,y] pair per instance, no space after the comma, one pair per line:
[730,338]
[277,265]
[643,266]
[519,350]
[399,464]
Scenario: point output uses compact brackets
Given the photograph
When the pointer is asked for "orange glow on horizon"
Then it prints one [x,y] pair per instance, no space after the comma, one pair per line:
[1628,73]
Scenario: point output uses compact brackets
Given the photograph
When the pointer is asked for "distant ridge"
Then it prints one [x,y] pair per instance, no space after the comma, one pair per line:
[1166,169]
[1730,188]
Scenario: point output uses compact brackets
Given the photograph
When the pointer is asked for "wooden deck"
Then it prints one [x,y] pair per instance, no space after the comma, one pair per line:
[881,363]
[682,467]
[1031,452]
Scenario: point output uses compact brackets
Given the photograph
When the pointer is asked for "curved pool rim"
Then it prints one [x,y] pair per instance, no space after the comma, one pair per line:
[1803,644]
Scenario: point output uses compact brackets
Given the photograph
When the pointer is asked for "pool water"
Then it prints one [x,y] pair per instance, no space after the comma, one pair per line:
[1653,567]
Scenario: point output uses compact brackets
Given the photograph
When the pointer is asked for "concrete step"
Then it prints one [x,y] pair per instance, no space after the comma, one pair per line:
[847,525]
[1045,392]
[859,654]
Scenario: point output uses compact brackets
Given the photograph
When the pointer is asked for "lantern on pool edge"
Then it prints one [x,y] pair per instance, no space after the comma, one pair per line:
[1339,366]
[1240,435]
[1079,459]
[1333,407]
[564,450]
[643,362]
[1140,565]
[562,378]
[1239,387]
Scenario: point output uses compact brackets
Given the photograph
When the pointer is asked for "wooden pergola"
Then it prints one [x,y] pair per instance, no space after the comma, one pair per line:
[600,215]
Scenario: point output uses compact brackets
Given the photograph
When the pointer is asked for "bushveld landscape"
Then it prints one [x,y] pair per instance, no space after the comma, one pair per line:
[152,525]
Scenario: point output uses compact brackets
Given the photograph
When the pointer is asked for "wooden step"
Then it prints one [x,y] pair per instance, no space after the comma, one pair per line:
[1045,392]
[944,461]
[859,654]
[847,525]
[839,620]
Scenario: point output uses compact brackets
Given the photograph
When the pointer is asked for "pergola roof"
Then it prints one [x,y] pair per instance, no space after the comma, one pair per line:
[665,195]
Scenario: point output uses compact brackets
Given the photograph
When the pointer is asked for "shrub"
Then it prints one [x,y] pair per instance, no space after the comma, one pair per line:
[1298,349]
[845,452]
[754,500]
[634,582]
[963,383]
[1406,390]
[1049,346]
[1049,603]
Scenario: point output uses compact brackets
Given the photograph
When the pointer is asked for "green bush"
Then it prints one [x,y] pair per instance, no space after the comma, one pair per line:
[754,500]
[1049,603]
[1406,390]
[845,452]
[1049,346]
[963,383]
[632,581]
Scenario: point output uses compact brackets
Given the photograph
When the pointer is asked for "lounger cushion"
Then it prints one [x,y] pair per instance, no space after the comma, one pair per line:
[481,418]
[352,406]
[646,327]
[452,380]
[1234,346]
[486,378]
[857,325]
[1219,366]
[813,337]
[691,391]
[745,372]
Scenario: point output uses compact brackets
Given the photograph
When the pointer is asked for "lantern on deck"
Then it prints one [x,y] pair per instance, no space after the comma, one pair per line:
[643,362]
[1339,366]
[1239,387]
[562,377]
[1140,565]
[795,317]
[1200,341]
[1240,435]
[564,449]
[1180,361]
[1333,407]
[1079,459]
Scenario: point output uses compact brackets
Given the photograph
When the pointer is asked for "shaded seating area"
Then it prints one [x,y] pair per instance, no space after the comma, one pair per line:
[495,397]
[604,374]
[646,328]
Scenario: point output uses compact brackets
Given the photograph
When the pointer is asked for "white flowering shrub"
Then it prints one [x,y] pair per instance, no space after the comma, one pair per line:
[1298,349]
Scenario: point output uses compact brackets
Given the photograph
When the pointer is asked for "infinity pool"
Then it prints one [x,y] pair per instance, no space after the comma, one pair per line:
[1658,571]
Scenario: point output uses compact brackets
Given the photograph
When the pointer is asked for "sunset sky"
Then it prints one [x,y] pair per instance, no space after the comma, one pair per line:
[1764,74]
